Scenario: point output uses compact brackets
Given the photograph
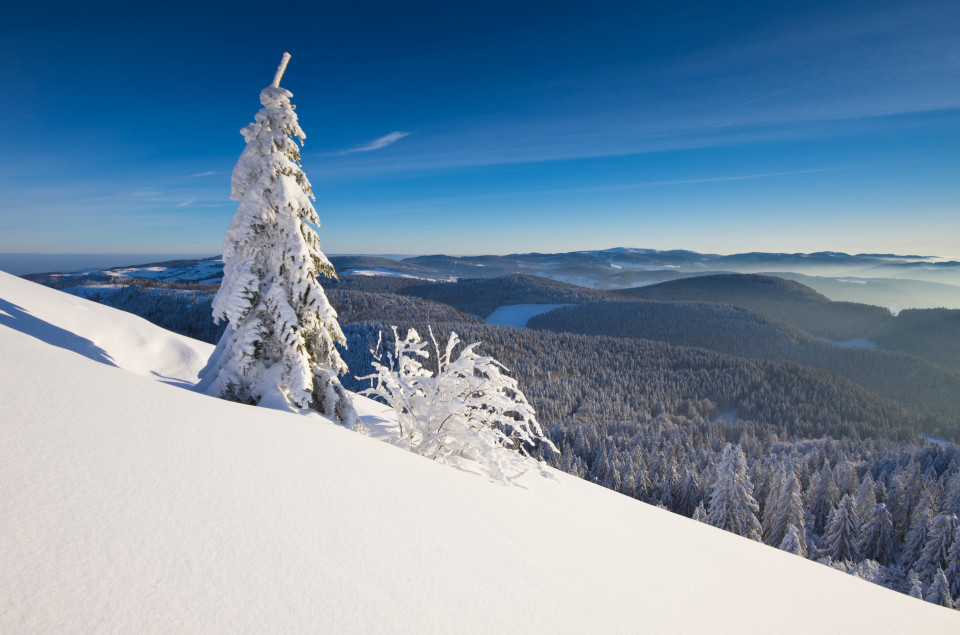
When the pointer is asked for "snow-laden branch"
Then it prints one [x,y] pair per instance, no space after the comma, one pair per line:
[467,414]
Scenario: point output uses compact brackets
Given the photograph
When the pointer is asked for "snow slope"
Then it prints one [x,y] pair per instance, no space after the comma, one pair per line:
[100,332]
[517,315]
[130,505]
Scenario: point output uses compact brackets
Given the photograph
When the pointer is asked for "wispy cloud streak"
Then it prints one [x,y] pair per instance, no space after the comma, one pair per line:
[376,144]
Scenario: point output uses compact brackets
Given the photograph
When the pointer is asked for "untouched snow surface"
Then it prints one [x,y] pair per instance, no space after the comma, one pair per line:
[517,315]
[395,274]
[130,505]
[99,332]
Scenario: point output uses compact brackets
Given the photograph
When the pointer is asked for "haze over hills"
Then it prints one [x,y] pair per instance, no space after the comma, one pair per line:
[751,316]
[382,289]
[891,281]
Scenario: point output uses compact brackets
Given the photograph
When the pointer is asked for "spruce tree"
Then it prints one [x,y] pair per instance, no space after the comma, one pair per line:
[689,495]
[770,506]
[866,497]
[700,513]
[939,540]
[823,497]
[842,537]
[916,586]
[279,348]
[789,510]
[732,506]
[794,542]
[916,538]
[939,590]
[953,565]
[877,541]
[952,495]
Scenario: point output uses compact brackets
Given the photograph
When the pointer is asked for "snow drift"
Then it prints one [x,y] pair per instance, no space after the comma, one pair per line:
[130,505]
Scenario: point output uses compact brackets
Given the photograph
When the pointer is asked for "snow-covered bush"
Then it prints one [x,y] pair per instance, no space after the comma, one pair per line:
[468,413]
[280,346]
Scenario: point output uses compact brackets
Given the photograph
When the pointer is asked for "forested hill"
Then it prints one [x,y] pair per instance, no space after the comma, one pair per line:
[933,334]
[574,379]
[731,288]
[790,301]
[909,380]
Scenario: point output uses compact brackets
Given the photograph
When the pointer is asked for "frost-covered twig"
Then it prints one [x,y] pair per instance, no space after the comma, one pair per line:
[468,413]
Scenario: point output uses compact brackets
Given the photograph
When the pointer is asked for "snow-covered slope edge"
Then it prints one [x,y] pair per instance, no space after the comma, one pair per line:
[130,505]
[100,332]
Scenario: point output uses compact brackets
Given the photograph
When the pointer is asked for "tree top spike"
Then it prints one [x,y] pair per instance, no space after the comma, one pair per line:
[280,70]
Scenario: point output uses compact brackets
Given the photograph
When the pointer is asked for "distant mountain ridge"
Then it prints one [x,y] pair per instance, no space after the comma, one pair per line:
[888,280]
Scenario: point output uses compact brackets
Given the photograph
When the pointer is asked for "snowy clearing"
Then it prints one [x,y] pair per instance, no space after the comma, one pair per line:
[205,271]
[730,417]
[395,274]
[517,315]
[134,506]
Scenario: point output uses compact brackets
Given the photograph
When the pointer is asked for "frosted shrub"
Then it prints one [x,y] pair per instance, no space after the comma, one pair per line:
[468,413]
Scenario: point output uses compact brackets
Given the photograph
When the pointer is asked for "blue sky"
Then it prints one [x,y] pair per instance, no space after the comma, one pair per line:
[493,128]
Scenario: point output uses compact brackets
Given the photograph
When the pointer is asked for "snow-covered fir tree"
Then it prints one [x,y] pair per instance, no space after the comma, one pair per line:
[789,510]
[866,497]
[952,502]
[770,505]
[824,496]
[916,538]
[938,591]
[732,506]
[842,539]
[279,348]
[939,540]
[794,542]
[915,585]
[953,565]
[877,540]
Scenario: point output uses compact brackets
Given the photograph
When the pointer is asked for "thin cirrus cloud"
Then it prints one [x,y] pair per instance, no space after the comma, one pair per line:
[376,144]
